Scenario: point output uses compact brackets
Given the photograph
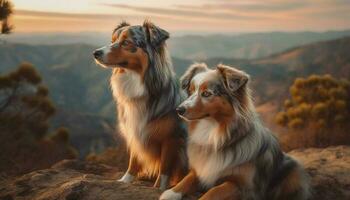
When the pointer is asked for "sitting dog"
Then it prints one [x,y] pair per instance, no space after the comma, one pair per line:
[230,152]
[146,94]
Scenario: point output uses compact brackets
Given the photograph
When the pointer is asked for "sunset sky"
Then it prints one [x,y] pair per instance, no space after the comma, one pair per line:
[182,15]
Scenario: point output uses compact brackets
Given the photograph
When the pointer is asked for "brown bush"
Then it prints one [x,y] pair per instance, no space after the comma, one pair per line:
[317,113]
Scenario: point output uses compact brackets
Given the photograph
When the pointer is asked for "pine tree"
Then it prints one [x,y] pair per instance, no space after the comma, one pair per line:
[25,111]
[6,10]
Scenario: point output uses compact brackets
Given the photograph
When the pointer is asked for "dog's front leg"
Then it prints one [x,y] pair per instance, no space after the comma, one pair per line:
[167,163]
[132,171]
[186,186]
[225,191]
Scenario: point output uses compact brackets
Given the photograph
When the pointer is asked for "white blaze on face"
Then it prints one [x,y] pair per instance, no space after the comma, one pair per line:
[197,80]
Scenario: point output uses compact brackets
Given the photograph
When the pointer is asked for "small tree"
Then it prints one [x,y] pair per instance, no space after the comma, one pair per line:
[25,111]
[24,102]
[319,108]
[6,10]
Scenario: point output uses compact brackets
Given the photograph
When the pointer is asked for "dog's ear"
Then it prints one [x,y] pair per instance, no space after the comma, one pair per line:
[121,25]
[194,69]
[155,35]
[233,79]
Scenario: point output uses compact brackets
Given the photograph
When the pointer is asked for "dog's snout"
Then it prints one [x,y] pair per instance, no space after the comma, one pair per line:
[181,110]
[98,53]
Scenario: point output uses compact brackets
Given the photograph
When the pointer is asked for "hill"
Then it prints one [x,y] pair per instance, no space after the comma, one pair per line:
[88,132]
[273,75]
[68,70]
[242,46]
[80,89]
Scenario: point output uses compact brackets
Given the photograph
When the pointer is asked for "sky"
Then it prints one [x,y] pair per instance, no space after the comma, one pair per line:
[207,16]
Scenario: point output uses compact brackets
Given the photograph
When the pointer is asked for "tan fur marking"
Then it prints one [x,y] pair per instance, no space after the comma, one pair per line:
[188,184]
[191,89]
[161,129]
[226,191]
[191,126]
[203,87]
[197,111]
[220,110]
[243,175]
[137,61]
[134,166]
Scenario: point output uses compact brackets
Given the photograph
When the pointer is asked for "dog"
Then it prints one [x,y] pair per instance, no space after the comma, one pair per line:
[146,93]
[231,154]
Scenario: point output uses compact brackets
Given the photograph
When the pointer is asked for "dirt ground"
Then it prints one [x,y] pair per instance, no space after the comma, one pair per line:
[329,170]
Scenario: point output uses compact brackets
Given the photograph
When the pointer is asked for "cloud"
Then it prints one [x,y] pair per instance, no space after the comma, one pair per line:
[179,12]
[32,13]
[252,5]
[211,16]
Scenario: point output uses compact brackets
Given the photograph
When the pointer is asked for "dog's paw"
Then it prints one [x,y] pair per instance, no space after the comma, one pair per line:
[127,178]
[170,195]
[164,182]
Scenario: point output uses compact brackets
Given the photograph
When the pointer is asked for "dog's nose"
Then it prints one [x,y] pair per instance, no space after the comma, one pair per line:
[97,53]
[181,110]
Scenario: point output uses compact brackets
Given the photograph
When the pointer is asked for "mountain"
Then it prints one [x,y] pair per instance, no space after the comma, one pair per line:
[195,47]
[88,132]
[323,57]
[80,89]
[273,75]
[245,46]
[75,81]
[77,86]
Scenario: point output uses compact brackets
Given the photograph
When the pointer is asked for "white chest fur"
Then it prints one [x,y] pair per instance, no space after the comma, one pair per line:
[127,87]
[130,94]
[206,132]
[209,165]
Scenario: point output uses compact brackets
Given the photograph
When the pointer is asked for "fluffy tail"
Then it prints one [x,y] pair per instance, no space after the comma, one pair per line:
[291,181]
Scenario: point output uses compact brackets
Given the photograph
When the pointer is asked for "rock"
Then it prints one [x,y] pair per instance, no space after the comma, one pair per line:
[72,180]
[329,169]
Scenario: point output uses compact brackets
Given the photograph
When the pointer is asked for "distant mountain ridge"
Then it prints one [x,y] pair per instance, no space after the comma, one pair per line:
[195,47]
[77,86]
[273,75]
[80,88]
[74,78]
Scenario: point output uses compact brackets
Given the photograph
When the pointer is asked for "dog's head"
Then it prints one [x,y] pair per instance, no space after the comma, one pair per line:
[212,92]
[130,47]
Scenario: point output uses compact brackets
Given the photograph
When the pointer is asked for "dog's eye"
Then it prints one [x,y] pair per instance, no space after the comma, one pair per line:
[126,43]
[206,94]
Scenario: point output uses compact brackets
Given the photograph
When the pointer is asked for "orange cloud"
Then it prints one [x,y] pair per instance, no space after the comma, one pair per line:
[213,16]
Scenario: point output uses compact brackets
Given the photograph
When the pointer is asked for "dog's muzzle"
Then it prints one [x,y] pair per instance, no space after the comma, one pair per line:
[181,110]
[98,54]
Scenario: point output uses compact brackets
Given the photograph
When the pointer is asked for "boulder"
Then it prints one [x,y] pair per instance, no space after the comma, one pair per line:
[329,170]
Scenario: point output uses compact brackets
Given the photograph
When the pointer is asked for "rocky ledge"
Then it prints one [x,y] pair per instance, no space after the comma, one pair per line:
[329,169]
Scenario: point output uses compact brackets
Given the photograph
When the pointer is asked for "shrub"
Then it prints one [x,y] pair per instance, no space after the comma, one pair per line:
[317,112]
[25,111]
